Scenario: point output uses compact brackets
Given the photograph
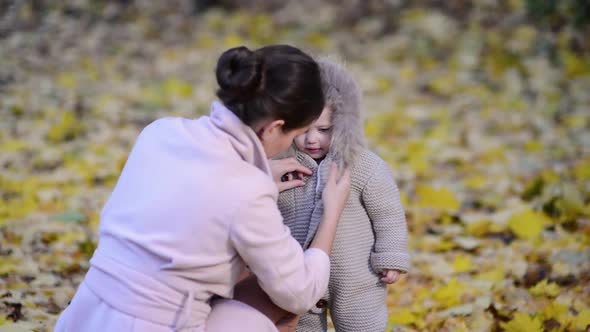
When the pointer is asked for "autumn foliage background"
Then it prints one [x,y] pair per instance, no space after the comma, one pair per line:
[482,108]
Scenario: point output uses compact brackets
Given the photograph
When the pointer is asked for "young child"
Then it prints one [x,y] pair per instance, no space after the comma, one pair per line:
[370,249]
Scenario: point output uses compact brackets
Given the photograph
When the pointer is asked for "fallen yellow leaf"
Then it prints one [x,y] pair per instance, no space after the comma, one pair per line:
[528,224]
[462,263]
[13,146]
[232,40]
[404,317]
[440,199]
[479,228]
[8,265]
[67,129]
[475,182]
[544,288]
[523,323]
[318,40]
[574,65]
[175,88]
[555,311]
[67,81]
[582,170]
[383,85]
[495,275]
[582,320]
[450,294]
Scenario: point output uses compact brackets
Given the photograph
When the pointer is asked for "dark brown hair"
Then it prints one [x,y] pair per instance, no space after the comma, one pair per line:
[274,82]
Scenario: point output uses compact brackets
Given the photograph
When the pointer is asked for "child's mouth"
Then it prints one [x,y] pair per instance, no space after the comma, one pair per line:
[313,150]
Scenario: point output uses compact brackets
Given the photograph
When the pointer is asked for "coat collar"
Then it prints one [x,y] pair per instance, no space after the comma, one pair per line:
[241,137]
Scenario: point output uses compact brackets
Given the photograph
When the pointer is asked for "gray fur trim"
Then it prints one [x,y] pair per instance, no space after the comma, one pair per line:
[344,96]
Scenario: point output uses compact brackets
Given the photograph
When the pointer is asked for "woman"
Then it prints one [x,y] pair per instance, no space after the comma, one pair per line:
[196,203]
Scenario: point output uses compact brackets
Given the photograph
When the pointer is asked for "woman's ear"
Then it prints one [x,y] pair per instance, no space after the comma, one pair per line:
[271,130]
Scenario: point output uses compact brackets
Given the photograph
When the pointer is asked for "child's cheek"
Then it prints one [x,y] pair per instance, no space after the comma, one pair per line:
[300,142]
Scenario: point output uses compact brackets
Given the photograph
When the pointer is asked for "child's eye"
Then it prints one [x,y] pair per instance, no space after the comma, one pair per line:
[324,130]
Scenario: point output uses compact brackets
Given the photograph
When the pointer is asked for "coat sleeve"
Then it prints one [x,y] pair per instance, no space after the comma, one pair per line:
[381,199]
[294,280]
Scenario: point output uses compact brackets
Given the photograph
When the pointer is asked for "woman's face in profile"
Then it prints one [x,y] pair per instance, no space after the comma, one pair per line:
[278,140]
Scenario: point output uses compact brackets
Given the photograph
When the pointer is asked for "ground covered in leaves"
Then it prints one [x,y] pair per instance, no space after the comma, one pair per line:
[482,110]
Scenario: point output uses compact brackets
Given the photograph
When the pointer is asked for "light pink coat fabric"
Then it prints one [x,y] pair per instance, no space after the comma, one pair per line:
[194,204]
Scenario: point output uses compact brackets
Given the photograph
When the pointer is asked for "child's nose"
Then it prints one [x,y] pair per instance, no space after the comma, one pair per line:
[311,138]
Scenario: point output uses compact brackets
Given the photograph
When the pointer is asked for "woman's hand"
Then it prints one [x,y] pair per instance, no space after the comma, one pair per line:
[290,170]
[336,191]
[249,291]
[288,323]
[334,197]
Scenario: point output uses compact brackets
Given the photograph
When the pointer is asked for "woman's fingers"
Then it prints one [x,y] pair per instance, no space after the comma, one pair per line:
[290,185]
[339,175]
[298,168]
[333,175]
[344,177]
[336,190]
[289,165]
[287,177]
[288,173]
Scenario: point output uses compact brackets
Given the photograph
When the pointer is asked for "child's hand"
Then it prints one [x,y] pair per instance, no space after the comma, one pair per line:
[390,276]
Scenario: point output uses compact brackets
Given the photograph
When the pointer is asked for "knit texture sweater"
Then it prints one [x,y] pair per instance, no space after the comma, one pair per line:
[372,232]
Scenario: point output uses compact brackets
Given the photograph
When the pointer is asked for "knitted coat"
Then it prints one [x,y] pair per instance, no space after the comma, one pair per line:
[372,233]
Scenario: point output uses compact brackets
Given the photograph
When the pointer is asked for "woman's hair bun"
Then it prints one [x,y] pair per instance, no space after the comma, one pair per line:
[273,82]
[239,73]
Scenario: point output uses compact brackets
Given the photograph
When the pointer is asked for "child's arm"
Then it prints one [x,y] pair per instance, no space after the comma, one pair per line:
[382,201]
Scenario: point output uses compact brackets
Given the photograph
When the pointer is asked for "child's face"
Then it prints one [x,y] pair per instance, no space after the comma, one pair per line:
[316,140]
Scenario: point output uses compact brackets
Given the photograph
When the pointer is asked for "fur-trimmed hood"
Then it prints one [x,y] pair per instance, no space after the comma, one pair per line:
[342,93]
[344,96]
